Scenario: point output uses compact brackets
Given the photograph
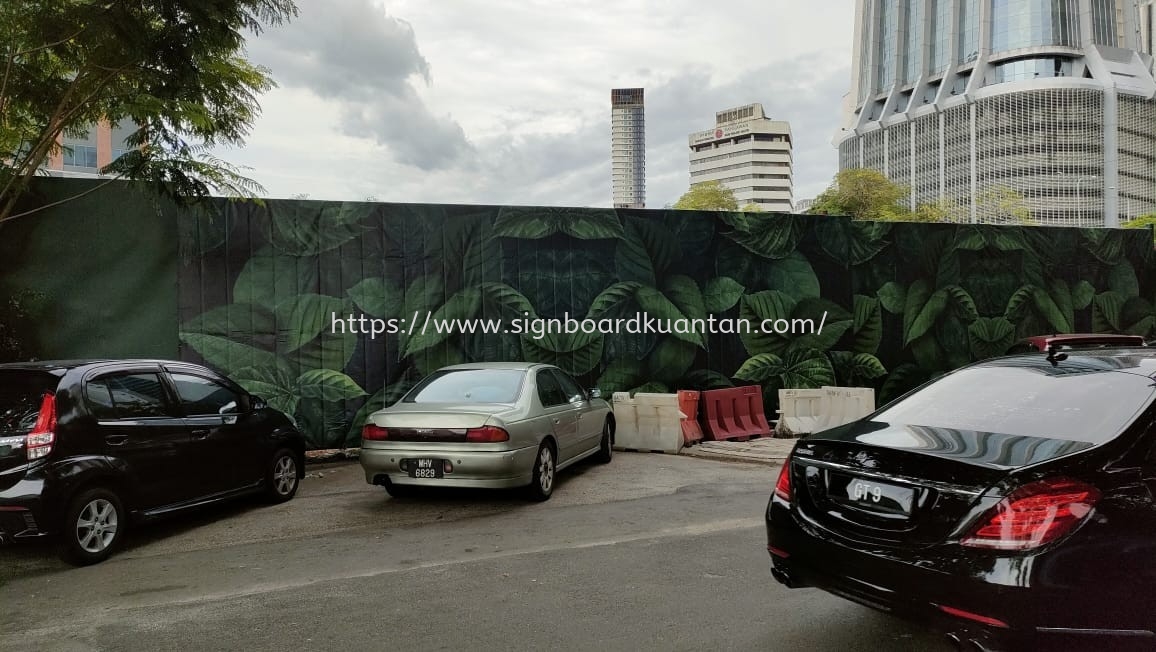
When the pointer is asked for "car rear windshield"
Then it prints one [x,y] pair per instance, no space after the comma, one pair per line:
[1081,399]
[469,386]
[21,393]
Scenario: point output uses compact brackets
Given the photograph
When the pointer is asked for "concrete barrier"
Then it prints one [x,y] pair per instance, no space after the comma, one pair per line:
[800,412]
[688,404]
[659,424]
[804,411]
[625,416]
[734,413]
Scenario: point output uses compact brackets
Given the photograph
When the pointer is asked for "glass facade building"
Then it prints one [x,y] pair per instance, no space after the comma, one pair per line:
[628,148]
[975,104]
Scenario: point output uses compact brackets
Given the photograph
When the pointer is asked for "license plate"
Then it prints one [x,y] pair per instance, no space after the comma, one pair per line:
[425,468]
[880,497]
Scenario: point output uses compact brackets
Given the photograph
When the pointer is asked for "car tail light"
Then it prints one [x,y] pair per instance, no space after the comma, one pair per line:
[373,432]
[1034,515]
[783,485]
[487,435]
[43,434]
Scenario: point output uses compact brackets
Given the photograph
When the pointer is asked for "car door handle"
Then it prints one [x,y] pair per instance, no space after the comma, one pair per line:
[557,421]
[200,433]
[116,440]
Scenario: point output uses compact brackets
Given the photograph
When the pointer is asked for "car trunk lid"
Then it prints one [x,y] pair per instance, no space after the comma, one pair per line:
[432,423]
[910,486]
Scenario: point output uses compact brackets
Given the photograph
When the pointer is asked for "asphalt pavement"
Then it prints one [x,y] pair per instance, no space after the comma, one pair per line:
[653,552]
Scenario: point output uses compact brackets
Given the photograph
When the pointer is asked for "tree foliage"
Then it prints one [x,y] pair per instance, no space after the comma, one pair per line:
[171,69]
[1003,205]
[707,196]
[1142,222]
[866,194]
[863,194]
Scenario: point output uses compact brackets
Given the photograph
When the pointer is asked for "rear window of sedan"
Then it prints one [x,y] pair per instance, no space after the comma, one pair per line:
[21,393]
[1081,399]
[469,386]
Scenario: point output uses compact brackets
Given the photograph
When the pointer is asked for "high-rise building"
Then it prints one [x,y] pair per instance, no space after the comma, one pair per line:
[628,148]
[1003,107]
[804,205]
[747,152]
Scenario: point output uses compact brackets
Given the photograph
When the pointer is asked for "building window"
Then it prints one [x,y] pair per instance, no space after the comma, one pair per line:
[888,28]
[1019,69]
[940,35]
[912,45]
[81,156]
[969,30]
[1104,18]
[1028,23]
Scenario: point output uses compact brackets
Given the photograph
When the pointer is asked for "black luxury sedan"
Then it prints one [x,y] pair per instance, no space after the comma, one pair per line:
[85,446]
[1011,502]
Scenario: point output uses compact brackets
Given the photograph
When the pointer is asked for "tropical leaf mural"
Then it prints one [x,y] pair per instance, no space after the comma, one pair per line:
[284,297]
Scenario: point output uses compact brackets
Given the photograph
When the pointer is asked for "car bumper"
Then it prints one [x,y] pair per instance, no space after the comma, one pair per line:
[23,514]
[471,468]
[969,598]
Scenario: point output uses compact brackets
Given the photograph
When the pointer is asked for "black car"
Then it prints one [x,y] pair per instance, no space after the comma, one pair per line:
[1011,502]
[85,446]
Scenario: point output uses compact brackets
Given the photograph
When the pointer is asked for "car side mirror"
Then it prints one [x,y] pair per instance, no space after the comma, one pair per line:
[595,393]
[257,403]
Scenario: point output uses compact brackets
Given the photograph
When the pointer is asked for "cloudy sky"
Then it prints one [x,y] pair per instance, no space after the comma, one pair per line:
[508,101]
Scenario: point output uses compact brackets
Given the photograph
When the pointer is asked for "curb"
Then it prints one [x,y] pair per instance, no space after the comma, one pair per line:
[331,455]
[725,457]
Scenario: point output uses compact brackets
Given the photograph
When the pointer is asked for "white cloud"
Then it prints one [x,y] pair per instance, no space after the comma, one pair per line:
[507,101]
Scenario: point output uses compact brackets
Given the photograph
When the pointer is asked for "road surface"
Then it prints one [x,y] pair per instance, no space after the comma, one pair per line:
[652,552]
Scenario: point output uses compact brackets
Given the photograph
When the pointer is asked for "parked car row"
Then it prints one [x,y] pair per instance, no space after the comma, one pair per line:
[1010,501]
[88,447]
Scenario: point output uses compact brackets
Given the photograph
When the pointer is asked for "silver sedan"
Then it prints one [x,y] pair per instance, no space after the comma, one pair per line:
[487,425]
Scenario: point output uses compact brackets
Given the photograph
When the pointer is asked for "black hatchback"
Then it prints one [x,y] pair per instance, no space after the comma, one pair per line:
[1012,502]
[87,446]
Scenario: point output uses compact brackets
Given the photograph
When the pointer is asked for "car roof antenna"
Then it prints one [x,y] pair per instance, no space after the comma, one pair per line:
[1055,356]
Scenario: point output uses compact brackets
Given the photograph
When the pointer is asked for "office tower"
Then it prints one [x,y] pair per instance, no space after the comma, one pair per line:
[747,152]
[992,106]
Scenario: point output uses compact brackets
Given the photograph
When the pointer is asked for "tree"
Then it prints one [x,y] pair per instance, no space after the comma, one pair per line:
[752,207]
[171,68]
[707,196]
[1003,205]
[941,210]
[1142,222]
[863,194]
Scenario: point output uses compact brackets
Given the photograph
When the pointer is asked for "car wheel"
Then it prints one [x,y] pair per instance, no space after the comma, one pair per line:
[93,528]
[545,470]
[606,450]
[281,481]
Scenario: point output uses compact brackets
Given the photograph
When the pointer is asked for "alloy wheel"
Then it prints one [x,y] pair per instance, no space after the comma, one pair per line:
[96,526]
[546,469]
[285,475]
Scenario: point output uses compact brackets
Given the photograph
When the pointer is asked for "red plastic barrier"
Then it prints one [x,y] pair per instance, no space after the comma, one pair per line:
[688,404]
[734,413]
